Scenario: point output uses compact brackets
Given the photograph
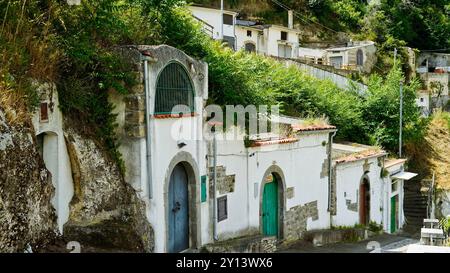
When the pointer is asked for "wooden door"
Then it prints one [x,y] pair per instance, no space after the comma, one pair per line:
[270,209]
[178,210]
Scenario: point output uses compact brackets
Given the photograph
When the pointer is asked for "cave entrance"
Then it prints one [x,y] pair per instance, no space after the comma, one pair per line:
[47,143]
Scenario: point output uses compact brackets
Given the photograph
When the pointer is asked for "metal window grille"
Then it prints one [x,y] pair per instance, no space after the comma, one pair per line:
[174,87]
[222,208]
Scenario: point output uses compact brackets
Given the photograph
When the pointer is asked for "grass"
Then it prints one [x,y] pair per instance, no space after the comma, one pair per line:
[432,154]
[13,103]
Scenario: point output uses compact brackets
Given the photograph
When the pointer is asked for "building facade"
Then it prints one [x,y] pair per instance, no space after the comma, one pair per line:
[201,189]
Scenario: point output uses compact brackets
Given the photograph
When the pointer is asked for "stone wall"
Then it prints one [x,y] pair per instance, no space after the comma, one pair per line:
[296,220]
[27,218]
[225,183]
[105,211]
[248,244]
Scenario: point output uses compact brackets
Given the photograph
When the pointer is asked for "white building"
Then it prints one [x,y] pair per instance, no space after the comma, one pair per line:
[268,39]
[212,20]
[48,125]
[196,192]
[357,55]
[368,187]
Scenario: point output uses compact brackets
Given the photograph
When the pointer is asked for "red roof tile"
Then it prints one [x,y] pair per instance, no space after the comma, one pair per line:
[258,143]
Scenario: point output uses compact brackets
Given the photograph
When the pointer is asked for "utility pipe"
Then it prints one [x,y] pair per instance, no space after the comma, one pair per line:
[147,123]
[214,184]
[330,147]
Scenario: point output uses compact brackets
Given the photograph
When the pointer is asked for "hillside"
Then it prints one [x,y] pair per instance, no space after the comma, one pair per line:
[419,24]
[432,154]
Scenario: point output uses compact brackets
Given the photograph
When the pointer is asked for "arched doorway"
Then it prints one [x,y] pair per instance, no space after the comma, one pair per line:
[270,215]
[364,201]
[272,203]
[47,144]
[359,57]
[178,210]
[250,47]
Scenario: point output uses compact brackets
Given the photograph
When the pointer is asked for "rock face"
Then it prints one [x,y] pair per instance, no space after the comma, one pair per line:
[105,211]
[27,218]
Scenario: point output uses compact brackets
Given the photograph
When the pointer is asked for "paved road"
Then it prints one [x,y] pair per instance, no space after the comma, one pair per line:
[358,247]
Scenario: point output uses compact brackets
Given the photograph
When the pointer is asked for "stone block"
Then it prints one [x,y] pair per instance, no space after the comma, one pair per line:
[135,117]
[138,89]
[136,131]
[135,102]
[290,193]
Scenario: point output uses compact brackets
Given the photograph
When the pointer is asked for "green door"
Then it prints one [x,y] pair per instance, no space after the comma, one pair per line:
[393,214]
[270,209]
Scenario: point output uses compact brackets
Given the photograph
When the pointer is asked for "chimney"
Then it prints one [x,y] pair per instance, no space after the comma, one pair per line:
[290,19]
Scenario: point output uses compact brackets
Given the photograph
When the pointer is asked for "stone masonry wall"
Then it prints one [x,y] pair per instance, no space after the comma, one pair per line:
[296,220]
[225,183]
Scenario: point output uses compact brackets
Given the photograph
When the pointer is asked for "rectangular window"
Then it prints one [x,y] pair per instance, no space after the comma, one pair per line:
[44,112]
[249,33]
[284,36]
[203,188]
[228,19]
[222,208]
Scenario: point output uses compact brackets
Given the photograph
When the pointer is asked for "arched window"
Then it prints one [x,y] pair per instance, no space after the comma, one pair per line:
[359,57]
[250,47]
[174,87]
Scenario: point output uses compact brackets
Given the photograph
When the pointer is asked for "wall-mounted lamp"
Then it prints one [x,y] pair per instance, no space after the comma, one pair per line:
[181,144]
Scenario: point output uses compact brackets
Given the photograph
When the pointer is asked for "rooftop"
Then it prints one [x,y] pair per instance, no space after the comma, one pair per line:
[350,152]
[393,162]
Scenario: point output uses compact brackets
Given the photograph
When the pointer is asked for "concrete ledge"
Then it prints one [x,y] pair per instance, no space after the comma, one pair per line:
[326,237]
[247,244]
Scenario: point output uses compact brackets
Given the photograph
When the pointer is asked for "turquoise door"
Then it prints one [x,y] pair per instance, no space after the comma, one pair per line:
[178,210]
[393,214]
[270,209]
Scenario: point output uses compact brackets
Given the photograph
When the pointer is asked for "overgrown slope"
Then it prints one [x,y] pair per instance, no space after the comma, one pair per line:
[420,24]
[432,154]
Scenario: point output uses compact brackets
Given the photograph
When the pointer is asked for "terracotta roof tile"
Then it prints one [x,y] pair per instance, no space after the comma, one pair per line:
[304,128]
[258,143]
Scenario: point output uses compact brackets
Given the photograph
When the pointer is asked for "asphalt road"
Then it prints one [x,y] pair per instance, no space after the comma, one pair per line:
[357,247]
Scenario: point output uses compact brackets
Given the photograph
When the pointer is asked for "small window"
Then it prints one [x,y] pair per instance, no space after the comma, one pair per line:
[394,186]
[421,99]
[222,208]
[44,112]
[228,19]
[284,36]
[249,33]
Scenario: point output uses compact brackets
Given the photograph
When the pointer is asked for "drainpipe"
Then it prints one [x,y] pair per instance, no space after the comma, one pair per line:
[330,147]
[146,58]
[214,185]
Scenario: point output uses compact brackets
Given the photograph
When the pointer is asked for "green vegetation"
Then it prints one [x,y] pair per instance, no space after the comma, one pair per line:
[374,227]
[74,47]
[420,24]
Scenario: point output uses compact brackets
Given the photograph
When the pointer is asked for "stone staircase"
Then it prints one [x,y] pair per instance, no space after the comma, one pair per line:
[415,208]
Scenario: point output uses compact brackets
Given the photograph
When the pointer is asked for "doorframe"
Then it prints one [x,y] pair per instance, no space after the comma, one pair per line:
[364,178]
[396,196]
[279,176]
[193,176]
